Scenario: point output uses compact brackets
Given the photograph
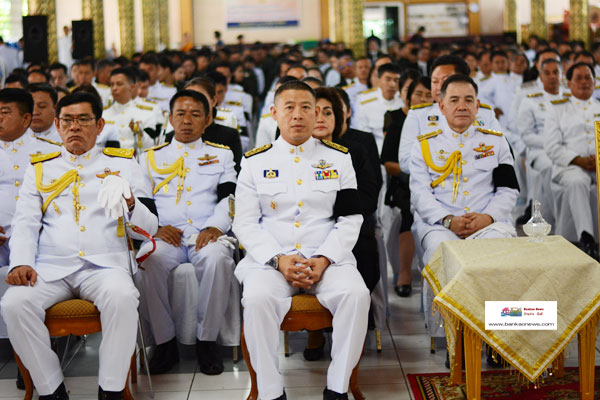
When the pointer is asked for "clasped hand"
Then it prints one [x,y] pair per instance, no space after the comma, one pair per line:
[468,224]
[301,272]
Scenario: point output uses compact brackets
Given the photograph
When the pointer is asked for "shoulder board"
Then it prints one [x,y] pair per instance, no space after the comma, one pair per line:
[102,85]
[485,106]
[141,107]
[423,105]
[233,103]
[220,118]
[257,150]
[335,146]
[367,90]
[429,135]
[534,94]
[213,144]
[48,140]
[265,115]
[148,101]
[44,157]
[237,90]
[166,85]
[561,101]
[160,146]
[106,121]
[597,87]
[115,152]
[489,131]
[485,78]
[106,107]
[567,94]
[368,100]
[224,109]
[348,86]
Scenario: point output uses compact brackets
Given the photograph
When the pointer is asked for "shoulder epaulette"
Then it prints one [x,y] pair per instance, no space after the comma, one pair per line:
[535,94]
[167,85]
[224,109]
[102,85]
[265,115]
[429,135]
[561,101]
[34,159]
[567,94]
[220,118]
[335,146]
[149,101]
[116,152]
[213,144]
[485,78]
[257,150]
[160,146]
[237,90]
[141,107]
[485,106]
[233,103]
[106,107]
[368,100]
[422,105]
[489,131]
[367,90]
[348,86]
[47,140]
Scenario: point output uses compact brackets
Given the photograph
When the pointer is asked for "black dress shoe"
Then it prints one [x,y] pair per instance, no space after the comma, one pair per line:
[20,381]
[522,220]
[106,395]
[403,290]
[331,395]
[209,357]
[165,356]
[282,397]
[59,394]
[316,351]
[588,245]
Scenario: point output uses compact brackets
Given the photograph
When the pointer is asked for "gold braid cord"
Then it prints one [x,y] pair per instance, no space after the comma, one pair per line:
[453,165]
[175,169]
[57,188]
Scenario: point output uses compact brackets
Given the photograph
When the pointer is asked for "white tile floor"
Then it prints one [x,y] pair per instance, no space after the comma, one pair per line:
[382,375]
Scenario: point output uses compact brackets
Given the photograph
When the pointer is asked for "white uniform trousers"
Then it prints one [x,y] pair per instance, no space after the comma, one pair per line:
[4,260]
[574,192]
[113,293]
[214,267]
[430,243]
[267,299]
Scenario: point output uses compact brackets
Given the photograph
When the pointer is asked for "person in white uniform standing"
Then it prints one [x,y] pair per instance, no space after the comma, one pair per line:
[77,195]
[299,220]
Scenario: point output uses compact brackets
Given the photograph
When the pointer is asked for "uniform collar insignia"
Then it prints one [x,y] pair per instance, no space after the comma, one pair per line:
[433,118]
[207,157]
[442,154]
[483,148]
[271,173]
[106,173]
[322,164]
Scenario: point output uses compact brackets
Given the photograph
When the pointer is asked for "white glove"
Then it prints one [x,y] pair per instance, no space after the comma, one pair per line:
[112,196]
[225,240]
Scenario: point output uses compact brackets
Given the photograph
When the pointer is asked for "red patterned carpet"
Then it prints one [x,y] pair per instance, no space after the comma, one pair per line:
[500,385]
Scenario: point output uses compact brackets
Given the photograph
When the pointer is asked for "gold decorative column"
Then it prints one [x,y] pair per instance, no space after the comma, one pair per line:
[163,23]
[579,26]
[94,10]
[352,33]
[47,8]
[338,21]
[149,22]
[538,19]
[510,15]
[126,27]
[187,21]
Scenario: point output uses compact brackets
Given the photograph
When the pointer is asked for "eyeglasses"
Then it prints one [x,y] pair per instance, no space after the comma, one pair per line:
[81,121]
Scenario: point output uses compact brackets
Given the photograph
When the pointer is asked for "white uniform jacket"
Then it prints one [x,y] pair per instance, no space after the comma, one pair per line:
[296,199]
[56,232]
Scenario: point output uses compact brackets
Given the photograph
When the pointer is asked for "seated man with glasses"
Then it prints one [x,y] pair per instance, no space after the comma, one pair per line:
[68,241]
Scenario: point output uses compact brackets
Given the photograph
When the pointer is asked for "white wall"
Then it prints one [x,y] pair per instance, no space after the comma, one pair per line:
[67,11]
[492,16]
[209,16]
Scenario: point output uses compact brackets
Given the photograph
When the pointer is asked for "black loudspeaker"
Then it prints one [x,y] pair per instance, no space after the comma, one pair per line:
[35,37]
[83,39]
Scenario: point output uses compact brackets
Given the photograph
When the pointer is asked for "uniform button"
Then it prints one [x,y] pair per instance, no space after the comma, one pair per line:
[189,221]
[461,145]
[297,224]
[463,162]
[189,188]
[301,149]
[299,181]
[189,203]
[467,209]
[186,154]
[14,150]
[17,183]
[466,193]
[16,197]
[82,184]
[81,253]
[296,159]
[15,167]
[298,246]
[82,207]
[300,204]
[79,166]
[82,228]
[465,179]
[292,150]
[187,170]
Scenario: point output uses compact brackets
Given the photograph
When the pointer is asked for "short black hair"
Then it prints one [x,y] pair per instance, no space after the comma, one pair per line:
[105,63]
[286,79]
[85,61]
[331,96]
[205,83]
[458,78]
[315,69]
[421,80]
[294,85]
[313,80]
[548,50]
[141,76]
[128,72]
[81,97]
[43,87]
[149,58]
[39,72]
[57,65]
[550,61]
[585,53]
[21,97]
[166,62]
[389,67]
[298,65]
[571,70]
[198,97]
[498,53]
[408,74]
[217,77]
[460,66]
[16,78]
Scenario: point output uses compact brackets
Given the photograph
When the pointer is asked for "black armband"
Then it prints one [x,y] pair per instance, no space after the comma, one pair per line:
[504,175]
[149,203]
[224,190]
[347,202]
[113,143]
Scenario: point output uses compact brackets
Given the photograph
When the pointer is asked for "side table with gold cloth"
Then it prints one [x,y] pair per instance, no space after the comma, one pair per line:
[465,273]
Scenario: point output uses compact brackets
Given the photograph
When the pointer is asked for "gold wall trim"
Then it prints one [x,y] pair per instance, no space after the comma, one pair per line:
[127,27]
[163,23]
[579,28]
[538,25]
[94,10]
[510,15]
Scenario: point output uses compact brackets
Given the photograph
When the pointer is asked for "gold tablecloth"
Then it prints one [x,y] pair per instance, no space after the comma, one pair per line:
[465,273]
